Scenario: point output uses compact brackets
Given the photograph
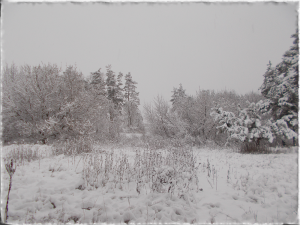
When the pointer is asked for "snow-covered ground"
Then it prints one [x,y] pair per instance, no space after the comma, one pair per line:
[130,135]
[233,188]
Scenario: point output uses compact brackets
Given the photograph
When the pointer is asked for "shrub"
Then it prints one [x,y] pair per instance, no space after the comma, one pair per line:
[253,148]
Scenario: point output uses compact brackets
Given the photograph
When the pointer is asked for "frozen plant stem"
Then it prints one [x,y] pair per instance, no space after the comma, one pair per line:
[228,175]
[26,216]
[95,202]
[216,180]
[147,214]
[10,171]
[213,175]
[78,163]
[104,205]
[83,209]
[209,183]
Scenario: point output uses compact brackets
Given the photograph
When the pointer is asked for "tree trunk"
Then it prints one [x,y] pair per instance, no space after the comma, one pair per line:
[129,117]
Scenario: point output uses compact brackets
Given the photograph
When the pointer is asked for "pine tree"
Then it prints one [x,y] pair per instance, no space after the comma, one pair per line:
[247,127]
[98,83]
[119,93]
[177,94]
[129,90]
[131,100]
[280,87]
[111,84]
[250,126]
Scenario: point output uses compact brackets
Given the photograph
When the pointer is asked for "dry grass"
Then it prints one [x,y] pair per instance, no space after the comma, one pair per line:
[172,170]
[22,154]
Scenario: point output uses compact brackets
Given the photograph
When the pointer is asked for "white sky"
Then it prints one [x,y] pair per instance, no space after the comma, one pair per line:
[211,46]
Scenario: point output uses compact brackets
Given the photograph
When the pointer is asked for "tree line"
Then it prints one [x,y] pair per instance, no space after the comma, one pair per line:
[40,103]
[43,103]
[225,117]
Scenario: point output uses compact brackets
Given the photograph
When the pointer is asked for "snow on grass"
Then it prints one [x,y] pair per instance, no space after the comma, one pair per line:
[230,187]
[130,135]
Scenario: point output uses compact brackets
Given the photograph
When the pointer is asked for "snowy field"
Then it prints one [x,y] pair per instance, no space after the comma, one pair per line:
[117,186]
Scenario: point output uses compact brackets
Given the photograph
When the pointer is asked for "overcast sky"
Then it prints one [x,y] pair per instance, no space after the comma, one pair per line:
[207,46]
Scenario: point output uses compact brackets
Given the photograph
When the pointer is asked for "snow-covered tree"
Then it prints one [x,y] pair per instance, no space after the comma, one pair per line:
[42,102]
[195,111]
[249,125]
[112,89]
[178,95]
[163,121]
[30,95]
[131,102]
[111,84]
[280,88]
[130,93]
[119,93]
[98,83]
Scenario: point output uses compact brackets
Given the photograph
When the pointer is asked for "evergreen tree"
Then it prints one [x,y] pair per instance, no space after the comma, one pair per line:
[129,90]
[132,101]
[177,94]
[280,87]
[246,127]
[250,125]
[98,83]
[119,93]
[111,84]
